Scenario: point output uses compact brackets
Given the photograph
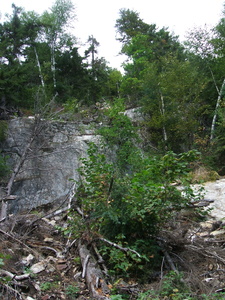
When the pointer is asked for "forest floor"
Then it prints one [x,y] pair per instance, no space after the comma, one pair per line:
[38,262]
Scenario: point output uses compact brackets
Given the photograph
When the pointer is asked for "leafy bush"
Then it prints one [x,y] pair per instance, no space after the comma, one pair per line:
[125,198]
[71,105]
[47,286]
[130,209]
[120,135]
[173,287]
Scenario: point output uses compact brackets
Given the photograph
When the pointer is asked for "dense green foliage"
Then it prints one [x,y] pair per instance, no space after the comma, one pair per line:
[130,209]
[179,87]
[39,54]
[126,197]
[120,134]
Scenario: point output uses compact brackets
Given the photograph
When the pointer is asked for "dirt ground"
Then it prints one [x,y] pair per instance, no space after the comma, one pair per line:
[38,262]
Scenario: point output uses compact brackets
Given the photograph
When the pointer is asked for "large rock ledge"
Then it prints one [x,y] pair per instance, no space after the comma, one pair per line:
[51,161]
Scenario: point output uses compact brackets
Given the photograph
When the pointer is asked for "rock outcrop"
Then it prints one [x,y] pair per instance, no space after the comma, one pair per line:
[50,163]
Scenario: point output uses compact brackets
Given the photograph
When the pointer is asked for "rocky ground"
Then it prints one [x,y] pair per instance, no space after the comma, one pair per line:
[215,192]
[38,262]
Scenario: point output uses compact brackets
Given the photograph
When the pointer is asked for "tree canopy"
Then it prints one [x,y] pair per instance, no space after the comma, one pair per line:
[179,87]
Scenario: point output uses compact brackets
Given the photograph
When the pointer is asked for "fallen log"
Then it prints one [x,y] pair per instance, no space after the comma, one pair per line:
[93,275]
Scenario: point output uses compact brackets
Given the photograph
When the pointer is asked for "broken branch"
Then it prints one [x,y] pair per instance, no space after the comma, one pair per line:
[119,247]
[93,275]
[13,276]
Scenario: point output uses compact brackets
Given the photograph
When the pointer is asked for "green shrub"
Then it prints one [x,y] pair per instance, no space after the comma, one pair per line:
[72,291]
[71,105]
[46,286]
[174,287]
[130,209]
[120,135]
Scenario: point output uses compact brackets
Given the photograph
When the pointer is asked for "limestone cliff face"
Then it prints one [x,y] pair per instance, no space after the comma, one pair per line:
[50,162]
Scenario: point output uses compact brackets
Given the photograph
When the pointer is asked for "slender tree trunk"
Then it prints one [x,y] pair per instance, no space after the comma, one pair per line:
[162,110]
[216,111]
[39,68]
[53,63]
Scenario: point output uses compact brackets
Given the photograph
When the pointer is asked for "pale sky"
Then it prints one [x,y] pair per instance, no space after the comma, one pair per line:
[98,18]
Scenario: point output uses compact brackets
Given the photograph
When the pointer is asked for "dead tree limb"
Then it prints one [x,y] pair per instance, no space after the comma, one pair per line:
[20,242]
[58,210]
[13,276]
[3,212]
[85,262]
[119,247]
[93,275]
[207,253]
[168,258]
[100,259]
[9,291]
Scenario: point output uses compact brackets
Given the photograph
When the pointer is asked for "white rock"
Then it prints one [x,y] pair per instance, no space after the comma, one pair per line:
[207,225]
[215,190]
[38,267]
[48,240]
[27,260]
[218,233]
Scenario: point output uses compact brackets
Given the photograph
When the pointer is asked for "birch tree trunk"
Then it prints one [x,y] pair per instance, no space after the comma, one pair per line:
[162,110]
[216,111]
[53,63]
[39,68]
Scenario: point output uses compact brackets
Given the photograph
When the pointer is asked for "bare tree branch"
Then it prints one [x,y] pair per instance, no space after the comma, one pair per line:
[119,247]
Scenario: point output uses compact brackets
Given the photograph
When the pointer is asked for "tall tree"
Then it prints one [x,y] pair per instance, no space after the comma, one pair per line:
[172,101]
[73,77]
[33,28]
[98,71]
[203,43]
[54,30]
[130,24]
[142,43]
[12,43]
[11,38]
[92,49]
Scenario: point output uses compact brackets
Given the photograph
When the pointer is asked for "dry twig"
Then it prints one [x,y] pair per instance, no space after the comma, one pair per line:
[119,247]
